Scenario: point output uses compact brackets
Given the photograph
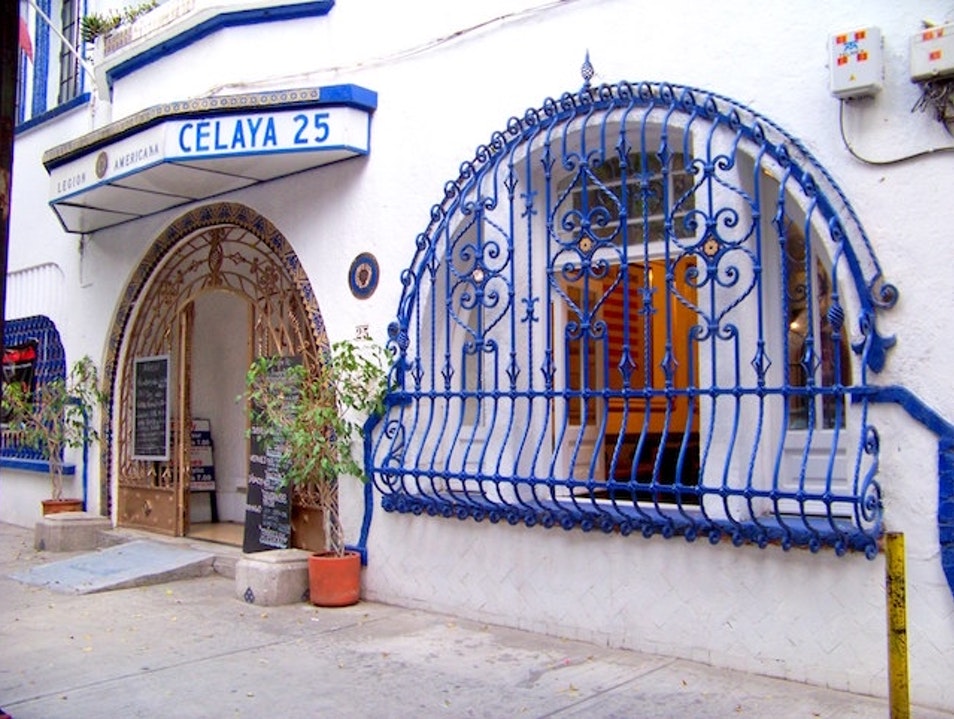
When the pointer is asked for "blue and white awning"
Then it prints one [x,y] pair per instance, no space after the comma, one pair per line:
[183,152]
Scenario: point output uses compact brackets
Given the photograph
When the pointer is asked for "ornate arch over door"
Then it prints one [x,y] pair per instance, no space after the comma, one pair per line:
[219,248]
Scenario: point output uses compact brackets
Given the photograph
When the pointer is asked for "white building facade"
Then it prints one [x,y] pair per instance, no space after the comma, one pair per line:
[666,311]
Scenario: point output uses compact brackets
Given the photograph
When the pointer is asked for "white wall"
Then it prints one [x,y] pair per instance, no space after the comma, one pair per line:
[809,617]
[22,492]
[220,357]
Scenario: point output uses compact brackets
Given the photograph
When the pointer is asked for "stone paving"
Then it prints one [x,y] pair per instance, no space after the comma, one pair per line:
[192,648]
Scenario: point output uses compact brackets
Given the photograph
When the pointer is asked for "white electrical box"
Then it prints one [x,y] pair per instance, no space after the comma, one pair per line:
[857,63]
[932,53]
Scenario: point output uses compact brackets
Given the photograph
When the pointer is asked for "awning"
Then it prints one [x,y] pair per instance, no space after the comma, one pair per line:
[183,152]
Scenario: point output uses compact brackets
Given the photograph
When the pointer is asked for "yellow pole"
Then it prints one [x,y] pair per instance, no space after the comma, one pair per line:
[896,592]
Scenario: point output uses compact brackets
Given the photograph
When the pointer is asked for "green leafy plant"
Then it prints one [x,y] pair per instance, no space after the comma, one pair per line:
[56,416]
[315,416]
[96,24]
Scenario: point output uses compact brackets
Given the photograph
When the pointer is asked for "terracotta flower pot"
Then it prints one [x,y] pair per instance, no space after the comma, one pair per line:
[54,506]
[334,581]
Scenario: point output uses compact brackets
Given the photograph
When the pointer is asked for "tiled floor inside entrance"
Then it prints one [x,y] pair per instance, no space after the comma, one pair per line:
[221,532]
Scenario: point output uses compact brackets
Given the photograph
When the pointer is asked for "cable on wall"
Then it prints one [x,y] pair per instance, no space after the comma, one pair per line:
[892,161]
[400,54]
[939,96]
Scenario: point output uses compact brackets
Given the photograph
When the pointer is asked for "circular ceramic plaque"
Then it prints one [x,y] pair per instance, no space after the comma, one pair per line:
[363,275]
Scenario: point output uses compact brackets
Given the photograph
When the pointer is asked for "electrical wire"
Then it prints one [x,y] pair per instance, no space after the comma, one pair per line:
[891,161]
[939,96]
[400,54]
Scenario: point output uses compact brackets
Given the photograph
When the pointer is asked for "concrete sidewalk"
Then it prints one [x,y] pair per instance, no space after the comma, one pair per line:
[190,648]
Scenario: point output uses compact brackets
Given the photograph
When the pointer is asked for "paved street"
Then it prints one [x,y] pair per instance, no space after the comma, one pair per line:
[190,648]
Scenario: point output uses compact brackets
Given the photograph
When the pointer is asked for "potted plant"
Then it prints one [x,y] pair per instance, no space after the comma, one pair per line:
[94,25]
[314,418]
[54,417]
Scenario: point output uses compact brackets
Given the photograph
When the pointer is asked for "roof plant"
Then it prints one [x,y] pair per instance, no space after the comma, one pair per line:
[95,24]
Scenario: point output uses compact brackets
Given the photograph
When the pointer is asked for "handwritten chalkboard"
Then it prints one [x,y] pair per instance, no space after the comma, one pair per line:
[151,408]
[268,498]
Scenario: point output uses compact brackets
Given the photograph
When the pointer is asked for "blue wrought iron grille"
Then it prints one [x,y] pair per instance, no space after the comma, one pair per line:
[640,308]
[50,365]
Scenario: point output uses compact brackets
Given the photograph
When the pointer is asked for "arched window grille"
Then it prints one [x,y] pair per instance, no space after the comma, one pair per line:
[36,356]
[640,308]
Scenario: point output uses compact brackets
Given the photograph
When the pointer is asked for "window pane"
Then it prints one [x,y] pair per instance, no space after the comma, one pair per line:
[813,356]
[69,63]
[681,184]
[602,203]
[836,362]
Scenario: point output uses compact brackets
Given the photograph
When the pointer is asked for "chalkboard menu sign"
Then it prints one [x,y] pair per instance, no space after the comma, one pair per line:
[268,508]
[151,408]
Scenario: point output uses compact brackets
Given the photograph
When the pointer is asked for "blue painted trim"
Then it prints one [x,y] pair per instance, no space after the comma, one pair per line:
[804,532]
[919,411]
[78,101]
[912,405]
[85,460]
[349,96]
[945,507]
[64,200]
[34,465]
[352,96]
[361,549]
[41,61]
[362,546]
[236,18]
[21,86]
[213,156]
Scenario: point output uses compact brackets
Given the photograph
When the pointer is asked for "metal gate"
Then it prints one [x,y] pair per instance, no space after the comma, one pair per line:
[640,307]
[155,494]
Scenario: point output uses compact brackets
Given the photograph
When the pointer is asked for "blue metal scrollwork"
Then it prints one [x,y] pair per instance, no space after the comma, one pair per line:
[640,308]
[50,365]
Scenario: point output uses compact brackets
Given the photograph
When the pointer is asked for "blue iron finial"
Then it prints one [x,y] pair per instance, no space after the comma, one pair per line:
[586,70]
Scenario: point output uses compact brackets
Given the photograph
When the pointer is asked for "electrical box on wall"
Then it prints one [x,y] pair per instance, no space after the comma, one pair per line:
[857,63]
[932,53]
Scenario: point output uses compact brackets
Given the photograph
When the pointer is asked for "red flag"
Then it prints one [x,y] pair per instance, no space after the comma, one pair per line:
[26,44]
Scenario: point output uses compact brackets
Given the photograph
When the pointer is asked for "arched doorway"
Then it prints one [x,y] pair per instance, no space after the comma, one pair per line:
[219,287]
